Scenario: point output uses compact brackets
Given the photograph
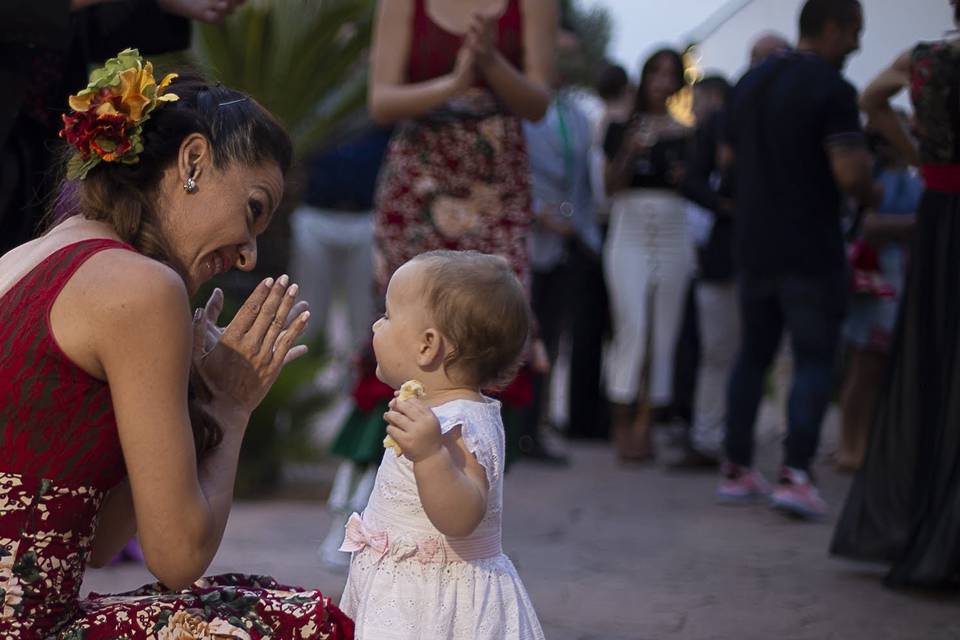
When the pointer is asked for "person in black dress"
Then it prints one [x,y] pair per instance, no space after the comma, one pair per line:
[904,505]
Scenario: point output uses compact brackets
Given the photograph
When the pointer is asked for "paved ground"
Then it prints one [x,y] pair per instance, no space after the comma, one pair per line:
[610,553]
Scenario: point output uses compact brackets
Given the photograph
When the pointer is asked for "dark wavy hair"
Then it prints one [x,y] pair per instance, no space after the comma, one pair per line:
[640,102]
[124,196]
[238,128]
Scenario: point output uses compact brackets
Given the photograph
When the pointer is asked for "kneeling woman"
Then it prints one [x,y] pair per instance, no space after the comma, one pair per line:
[119,415]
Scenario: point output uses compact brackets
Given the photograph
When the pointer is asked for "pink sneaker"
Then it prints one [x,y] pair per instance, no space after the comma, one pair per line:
[741,485]
[797,496]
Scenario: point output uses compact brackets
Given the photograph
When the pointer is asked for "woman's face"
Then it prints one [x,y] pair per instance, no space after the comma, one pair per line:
[217,226]
[661,80]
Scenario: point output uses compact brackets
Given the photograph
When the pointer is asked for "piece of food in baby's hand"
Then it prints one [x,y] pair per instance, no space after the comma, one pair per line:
[409,389]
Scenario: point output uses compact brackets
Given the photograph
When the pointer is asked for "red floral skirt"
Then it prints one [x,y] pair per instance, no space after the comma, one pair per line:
[454,181]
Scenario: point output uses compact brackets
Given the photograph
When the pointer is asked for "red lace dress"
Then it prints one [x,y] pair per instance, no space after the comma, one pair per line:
[59,456]
[456,178]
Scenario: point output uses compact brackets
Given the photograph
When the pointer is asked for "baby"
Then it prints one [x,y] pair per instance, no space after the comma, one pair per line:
[427,561]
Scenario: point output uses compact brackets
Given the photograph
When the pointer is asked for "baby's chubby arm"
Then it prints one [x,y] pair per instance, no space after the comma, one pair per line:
[451,483]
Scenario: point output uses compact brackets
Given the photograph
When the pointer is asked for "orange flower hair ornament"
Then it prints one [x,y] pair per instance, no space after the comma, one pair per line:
[107,117]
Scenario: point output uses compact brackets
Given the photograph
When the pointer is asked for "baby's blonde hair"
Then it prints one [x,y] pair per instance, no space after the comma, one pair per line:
[478,303]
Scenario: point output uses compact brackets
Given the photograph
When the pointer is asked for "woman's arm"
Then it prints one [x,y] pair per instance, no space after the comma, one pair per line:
[875,102]
[115,525]
[389,99]
[526,93]
[143,341]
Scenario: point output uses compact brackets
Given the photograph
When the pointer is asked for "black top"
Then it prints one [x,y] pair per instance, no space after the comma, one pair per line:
[651,170]
[784,115]
[935,92]
[705,185]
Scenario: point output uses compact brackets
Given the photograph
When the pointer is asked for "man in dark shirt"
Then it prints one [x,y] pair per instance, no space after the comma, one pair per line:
[794,132]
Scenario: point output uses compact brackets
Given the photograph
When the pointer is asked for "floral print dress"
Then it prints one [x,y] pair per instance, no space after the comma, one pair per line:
[458,177]
[59,457]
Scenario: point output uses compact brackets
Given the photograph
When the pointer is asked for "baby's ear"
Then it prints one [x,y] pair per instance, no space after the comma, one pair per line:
[432,350]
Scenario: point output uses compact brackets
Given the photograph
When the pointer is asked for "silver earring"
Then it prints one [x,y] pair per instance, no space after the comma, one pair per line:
[190,185]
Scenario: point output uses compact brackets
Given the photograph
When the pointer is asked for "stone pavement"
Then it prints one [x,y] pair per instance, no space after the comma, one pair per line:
[613,553]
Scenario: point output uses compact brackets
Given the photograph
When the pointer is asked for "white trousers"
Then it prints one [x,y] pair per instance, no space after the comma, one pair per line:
[719,321]
[333,250]
[648,261]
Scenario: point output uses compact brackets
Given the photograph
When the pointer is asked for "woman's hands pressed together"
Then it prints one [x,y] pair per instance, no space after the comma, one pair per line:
[239,363]
[482,38]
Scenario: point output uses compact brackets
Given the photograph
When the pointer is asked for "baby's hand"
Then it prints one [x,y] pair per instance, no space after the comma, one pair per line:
[414,427]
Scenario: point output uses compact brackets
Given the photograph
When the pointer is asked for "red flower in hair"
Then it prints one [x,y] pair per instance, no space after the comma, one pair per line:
[104,135]
[106,123]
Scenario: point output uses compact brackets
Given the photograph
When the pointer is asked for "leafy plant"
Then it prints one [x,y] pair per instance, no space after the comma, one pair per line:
[304,60]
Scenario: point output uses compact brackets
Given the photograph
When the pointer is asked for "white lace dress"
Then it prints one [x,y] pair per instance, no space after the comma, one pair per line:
[407,580]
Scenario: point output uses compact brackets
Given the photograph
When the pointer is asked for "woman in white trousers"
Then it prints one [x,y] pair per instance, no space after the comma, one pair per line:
[648,258]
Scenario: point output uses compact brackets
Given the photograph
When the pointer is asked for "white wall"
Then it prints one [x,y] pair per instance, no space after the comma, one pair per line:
[891,26]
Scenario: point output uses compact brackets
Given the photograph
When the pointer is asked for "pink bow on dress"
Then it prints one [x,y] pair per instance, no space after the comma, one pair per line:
[358,536]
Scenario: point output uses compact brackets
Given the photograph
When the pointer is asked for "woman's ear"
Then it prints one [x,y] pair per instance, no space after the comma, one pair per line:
[195,155]
[432,350]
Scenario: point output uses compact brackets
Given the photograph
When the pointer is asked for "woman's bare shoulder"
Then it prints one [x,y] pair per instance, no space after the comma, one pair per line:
[121,280]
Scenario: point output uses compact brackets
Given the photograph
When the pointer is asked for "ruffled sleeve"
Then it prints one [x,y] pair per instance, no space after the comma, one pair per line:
[482,431]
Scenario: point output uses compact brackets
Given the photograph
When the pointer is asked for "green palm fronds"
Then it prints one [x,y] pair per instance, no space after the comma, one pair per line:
[305,60]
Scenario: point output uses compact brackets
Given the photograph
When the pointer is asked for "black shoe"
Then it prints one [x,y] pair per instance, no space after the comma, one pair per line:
[533,449]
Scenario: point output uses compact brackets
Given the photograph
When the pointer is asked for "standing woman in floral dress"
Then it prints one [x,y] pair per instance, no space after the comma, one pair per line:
[457,77]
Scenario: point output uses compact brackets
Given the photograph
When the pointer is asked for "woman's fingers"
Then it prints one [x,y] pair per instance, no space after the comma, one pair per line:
[199,333]
[284,346]
[214,306]
[248,313]
[212,336]
[298,308]
[266,314]
[279,321]
[293,354]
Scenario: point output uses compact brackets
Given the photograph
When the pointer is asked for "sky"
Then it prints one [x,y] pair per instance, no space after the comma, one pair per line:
[639,26]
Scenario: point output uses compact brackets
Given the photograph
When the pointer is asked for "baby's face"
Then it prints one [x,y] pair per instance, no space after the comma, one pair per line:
[397,335]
